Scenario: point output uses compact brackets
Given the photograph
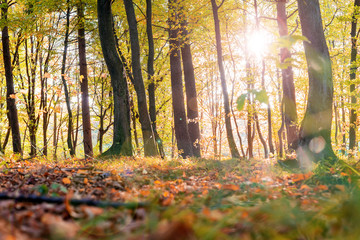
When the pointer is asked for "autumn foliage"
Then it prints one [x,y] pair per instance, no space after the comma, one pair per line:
[192,199]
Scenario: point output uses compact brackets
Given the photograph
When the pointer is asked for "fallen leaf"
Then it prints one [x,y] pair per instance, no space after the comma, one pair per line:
[322,188]
[66,180]
[340,187]
[230,187]
[305,187]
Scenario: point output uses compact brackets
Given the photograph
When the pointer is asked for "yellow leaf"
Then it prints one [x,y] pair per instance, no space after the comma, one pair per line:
[86,181]
[66,181]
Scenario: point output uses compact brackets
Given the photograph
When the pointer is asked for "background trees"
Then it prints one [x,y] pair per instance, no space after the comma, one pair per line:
[134,42]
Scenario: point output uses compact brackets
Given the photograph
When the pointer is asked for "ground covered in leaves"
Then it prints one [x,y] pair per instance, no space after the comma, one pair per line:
[132,198]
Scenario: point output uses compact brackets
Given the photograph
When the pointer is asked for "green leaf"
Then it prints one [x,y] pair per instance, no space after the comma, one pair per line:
[42,189]
[261,96]
[241,102]
[295,38]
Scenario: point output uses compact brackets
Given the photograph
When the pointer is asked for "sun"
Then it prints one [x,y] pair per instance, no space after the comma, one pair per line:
[258,43]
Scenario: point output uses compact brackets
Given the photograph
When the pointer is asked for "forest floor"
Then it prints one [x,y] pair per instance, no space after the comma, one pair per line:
[176,199]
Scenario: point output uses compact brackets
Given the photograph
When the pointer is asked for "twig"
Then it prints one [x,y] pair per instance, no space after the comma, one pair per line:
[74,202]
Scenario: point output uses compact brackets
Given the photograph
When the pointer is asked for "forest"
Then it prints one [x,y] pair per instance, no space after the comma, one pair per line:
[179,119]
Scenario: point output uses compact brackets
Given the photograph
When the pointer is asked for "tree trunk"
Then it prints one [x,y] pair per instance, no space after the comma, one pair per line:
[262,140]
[290,113]
[343,118]
[63,68]
[151,86]
[122,131]
[180,121]
[315,132]
[233,149]
[353,69]
[250,136]
[190,87]
[10,92]
[150,148]
[88,148]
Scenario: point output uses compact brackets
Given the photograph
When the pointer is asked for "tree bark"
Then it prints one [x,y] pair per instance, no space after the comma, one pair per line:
[180,121]
[67,97]
[10,92]
[190,87]
[88,148]
[290,113]
[122,131]
[147,131]
[353,69]
[233,149]
[151,86]
[315,132]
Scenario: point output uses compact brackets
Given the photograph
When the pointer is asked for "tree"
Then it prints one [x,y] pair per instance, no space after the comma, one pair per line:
[190,86]
[122,131]
[178,103]
[150,69]
[289,99]
[10,92]
[315,131]
[88,149]
[353,69]
[233,149]
[147,131]
[63,79]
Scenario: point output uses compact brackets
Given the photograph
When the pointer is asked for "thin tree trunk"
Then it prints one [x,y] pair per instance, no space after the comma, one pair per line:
[180,121]
[6,140]
[280,132]
[150,148]
[353,69]
[55,135]
[122,131]
[190,87]
[151,86]
[134,116]
[233,149]
[315,133]
[232,94]
[88,148]
[290,113]
[63,68]
[250,136]
[262,140]
[343,117]
[10,92]
[270,140]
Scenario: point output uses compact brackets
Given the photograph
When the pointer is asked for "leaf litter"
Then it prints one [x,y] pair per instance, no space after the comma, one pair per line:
[149,198]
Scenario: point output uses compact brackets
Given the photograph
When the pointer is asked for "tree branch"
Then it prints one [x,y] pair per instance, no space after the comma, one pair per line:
[74,202]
